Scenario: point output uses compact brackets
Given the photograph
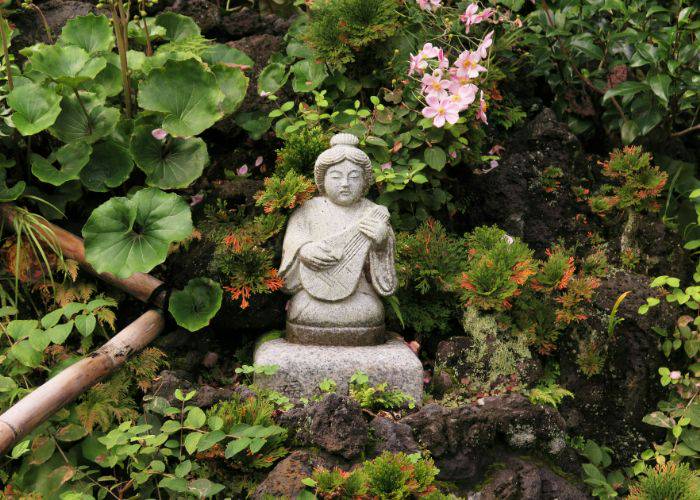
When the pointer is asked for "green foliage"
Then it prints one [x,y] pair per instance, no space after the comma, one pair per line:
[634,92]
[128,235]
[669,481]
[341,30]
[427,262]
[496,269]
[639,183]
[389,476]
[378,397]
[284,193]
[300,150]
[594,473]
[195,305]
[548,391]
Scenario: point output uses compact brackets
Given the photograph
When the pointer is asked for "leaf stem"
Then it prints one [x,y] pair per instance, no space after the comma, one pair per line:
[47,28]
[120,20]
[82,106]
[686,131]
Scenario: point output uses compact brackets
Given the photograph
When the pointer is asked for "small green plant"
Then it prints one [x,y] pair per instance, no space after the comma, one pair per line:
[669,481]
[389,476]
[301,148]
[378,397]
[548,391]
[550,179]
[341,31]
[594,472]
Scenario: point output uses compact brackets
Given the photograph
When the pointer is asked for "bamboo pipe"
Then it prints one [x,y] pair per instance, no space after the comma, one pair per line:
[33,409]
[139,285]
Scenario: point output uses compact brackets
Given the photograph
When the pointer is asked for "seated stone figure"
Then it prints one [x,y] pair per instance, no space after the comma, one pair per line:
[338,255]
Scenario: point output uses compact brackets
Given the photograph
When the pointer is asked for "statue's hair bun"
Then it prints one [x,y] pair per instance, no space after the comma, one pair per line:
[344,140]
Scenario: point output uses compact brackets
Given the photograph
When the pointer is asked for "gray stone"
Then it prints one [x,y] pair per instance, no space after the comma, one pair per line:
[303,367]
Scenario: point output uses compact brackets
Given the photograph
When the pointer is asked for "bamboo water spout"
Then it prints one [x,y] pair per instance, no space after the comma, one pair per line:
[29,412]
[33,409]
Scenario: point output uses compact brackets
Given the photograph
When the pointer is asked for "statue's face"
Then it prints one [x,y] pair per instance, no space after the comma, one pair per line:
[344,183]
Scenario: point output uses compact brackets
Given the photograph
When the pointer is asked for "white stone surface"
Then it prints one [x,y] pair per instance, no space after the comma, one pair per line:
[303,367]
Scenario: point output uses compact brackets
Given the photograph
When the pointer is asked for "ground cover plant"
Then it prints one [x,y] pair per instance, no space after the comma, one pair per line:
[539,162]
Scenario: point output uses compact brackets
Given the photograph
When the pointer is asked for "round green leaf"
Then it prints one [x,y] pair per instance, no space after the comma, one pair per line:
[35,108]
[195,305]
[223,54]
[67,64]
[124,236]
[177,27]
[186,93]
[435,157]
[85,324]
[233,83]
[74,125]
[11,193]
[91,33]
[255,123]
[307,75]
[136,32]
[108,82]
[71,157]
[169,164]
[272,78]
[26,354]
[109,166]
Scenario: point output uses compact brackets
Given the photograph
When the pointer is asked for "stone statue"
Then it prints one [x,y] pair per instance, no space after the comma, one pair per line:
[337,262]
[338,255]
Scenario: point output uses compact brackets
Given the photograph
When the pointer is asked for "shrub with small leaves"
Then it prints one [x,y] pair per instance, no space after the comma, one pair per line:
[670,481]
[378,397]
[300,150]
[284,193]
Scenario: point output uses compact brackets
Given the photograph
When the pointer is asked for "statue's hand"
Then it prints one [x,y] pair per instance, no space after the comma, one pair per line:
[376,230]
[318,255]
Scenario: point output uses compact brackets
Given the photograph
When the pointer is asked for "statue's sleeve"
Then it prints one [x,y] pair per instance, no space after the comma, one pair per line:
[297,234]
[381,267]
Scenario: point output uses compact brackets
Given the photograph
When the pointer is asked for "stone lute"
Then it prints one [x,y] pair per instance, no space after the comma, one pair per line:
[340,280]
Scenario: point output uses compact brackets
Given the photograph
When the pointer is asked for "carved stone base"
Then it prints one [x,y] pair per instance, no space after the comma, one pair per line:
[335,335]
[303,367]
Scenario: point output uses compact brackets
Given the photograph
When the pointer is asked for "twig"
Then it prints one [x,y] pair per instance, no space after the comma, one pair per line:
[686,131]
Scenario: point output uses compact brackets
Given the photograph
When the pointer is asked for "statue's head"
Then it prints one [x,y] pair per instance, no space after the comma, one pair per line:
[343,173]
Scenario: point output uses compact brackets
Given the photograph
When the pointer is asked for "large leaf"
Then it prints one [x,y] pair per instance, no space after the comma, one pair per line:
[195,305]
[26,354]
[35,108]
[186,93]
[91,33]
[108,82]
[177,27]
[272,78]
[74,125]
[109,166]
[169,164]
[72,158]
[67,64]
[223,54]
[233,83]
[124,236]
[307,75]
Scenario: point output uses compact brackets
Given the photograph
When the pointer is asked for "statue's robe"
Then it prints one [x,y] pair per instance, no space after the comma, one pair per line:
[319,219]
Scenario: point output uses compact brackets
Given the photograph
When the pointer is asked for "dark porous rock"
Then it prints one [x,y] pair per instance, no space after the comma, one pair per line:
[388,435]
[609,406]
[512,196]
[57,13]
[464,441]
[284,481]
[334,424]
[168,381]
[521,480]
[206,14]
[246,21]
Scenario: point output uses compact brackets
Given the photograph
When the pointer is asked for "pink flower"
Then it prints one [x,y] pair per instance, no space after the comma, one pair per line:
[429,51]
[441,111]
[482,50]
[443,62]
[467,64]
[264,94]
[196,199]
[414,346]
[453,154]
[481,114]
[159,134]
[508,238]
[433,85]
[675,375]
[258,161]
[430,5]
[417,63]
[496,149]
[242,170]
[463,95]
[385,166]
[471,17]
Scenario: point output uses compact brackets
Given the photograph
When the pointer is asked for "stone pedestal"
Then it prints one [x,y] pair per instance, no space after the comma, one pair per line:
[303,367]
